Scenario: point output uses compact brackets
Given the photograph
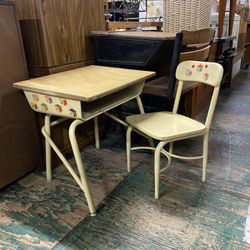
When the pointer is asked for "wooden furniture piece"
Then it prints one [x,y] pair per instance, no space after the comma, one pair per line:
[55,33]
[81,94]
[167,127]
[224,55]
[189,45]
[222,9]
[20,142]
[142,50]
[133,25]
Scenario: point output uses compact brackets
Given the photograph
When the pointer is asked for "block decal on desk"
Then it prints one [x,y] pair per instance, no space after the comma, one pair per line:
[72,112]
[48,99]
[35,97]
[34,105]
[58,108]
[44,107]
[54,105]
[63,101]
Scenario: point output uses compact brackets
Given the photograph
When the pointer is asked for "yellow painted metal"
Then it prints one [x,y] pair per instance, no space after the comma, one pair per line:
[167,127]
[96,129]
[47,148]
[81,94]
[80,166]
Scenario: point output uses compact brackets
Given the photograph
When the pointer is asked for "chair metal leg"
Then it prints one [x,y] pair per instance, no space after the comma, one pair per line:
[157,158]
[96,129]
[80,165]
[205,156]
[128,148]
[171,145]
[48,148]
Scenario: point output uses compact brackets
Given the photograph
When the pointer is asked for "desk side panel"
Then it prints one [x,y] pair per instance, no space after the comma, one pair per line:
[58,106]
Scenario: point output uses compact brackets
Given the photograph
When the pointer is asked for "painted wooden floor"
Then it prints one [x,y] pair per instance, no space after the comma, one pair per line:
[189,214]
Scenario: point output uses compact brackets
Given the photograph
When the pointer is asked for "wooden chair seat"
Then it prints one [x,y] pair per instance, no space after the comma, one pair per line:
[159,87]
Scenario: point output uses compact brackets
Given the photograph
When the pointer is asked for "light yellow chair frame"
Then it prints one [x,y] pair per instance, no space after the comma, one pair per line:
[167,127]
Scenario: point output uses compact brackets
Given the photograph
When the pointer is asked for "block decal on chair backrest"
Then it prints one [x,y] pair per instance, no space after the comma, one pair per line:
[205,72]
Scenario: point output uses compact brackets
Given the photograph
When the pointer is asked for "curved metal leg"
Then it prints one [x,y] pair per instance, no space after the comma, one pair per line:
[205,155]
[80,165]
[96,129]
[128,148]
[48,148]
[157,158]
[140,105]
[171,145]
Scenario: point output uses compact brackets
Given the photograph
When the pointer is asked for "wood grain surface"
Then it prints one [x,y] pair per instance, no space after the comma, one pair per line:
[55,31]
[137,34]
[87,83]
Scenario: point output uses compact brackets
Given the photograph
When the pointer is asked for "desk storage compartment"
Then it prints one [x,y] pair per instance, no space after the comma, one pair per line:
[65,107]
[90,109]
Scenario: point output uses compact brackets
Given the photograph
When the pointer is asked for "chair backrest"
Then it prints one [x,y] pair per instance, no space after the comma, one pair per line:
[209,73]
[189,45]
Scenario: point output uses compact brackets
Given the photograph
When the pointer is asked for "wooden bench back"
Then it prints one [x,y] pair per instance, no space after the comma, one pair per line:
[189,45]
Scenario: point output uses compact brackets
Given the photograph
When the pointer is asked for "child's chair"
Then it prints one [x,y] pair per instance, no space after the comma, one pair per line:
[167,127]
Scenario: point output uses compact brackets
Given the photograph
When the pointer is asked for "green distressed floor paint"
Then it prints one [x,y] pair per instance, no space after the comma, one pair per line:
[35,214]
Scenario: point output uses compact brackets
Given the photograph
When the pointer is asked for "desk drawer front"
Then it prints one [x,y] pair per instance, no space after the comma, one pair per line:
[58,106]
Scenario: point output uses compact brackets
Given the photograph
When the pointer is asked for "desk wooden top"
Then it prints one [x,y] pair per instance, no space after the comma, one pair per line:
[86,83]
[153,35]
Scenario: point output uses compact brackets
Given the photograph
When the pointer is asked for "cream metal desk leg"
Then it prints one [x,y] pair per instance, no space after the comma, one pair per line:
[128,148]
[140,105]
[48,148]
[96,129]
[80,166]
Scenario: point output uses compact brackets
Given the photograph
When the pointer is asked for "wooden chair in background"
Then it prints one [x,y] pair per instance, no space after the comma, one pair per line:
[133,25]
[167,127]
[189,45]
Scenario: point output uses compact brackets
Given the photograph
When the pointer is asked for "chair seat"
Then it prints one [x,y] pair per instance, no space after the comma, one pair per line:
[165,125]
